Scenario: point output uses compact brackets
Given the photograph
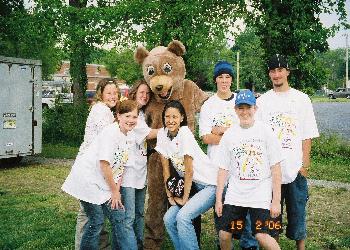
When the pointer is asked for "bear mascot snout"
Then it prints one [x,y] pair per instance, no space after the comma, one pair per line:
[164,70]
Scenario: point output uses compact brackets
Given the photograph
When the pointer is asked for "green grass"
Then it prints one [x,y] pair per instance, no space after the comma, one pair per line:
[326,99]
[36,214]
[59,151]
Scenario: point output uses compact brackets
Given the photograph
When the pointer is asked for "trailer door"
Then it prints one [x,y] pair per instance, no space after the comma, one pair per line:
[16,102]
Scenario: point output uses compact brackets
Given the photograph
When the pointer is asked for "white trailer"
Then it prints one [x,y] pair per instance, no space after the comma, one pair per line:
[20,108]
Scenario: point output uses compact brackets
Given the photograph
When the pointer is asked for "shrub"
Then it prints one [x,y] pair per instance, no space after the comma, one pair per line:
[330,146]
[64,123]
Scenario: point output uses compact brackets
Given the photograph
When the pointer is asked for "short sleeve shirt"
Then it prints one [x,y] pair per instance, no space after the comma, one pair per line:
[205,171]
[248,155]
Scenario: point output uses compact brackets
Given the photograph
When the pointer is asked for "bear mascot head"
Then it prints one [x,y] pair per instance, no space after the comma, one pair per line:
[164,70]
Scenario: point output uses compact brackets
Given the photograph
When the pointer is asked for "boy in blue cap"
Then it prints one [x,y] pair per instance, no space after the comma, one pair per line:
[216,116]
[250,155]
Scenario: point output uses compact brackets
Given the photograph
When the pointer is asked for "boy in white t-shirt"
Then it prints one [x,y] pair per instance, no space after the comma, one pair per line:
[216,116]
[289,113]
[250,154]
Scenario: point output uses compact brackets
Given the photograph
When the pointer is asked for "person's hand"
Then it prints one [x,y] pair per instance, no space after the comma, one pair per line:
[275,209]
[218,130]
[116,201]
[218,208]
[180,201]
[304,171]
[171,201]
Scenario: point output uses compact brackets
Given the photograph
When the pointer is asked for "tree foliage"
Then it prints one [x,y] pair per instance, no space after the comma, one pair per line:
[294,28]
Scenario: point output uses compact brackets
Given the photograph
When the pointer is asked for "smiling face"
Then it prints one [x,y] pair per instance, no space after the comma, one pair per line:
[223,83]
[173,119]
[142,95]
[127,121]
[110,95]
[245,114]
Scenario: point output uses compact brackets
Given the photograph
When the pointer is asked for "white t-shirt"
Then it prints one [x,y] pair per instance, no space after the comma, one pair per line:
[136,168]
[100,116]
[86,181]
[204,171]
[291,117]
[216,112]
[248,154]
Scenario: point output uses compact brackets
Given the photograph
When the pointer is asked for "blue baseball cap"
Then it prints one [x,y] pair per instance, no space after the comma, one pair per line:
[245,97]
[223,67]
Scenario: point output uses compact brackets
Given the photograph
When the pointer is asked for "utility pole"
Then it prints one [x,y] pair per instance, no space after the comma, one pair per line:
[238,70]
[347,83]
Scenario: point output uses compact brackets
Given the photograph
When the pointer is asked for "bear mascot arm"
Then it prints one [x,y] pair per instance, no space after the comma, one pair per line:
[164,70]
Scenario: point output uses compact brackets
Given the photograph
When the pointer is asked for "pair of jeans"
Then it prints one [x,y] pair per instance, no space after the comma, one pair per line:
[295,196]
[92,229]
[178,220]
[134,203]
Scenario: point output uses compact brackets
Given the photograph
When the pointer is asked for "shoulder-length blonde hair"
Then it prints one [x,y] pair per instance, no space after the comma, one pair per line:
[135,87]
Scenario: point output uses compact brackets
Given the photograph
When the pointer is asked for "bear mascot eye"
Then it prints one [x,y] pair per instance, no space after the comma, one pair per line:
[167,68]
[150,70]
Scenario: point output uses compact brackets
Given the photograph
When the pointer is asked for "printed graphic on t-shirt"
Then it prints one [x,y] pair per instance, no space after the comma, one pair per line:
[142,148]
[119,160]
[284,126]
[224,119]
[248,156]
[178,162]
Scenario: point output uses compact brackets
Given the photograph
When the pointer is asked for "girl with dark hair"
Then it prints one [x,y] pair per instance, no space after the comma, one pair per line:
[178,149]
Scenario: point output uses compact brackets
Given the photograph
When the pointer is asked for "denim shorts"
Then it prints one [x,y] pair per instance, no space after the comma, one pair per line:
[295,196]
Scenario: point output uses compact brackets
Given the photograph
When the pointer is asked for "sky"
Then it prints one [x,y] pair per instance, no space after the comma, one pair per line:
[338,41]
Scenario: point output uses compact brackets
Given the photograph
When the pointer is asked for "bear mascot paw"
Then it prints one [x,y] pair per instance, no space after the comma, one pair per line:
[164,70]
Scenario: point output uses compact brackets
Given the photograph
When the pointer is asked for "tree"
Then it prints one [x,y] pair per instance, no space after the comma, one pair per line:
[23,35]
[294,28]
[122,65]
[252,64]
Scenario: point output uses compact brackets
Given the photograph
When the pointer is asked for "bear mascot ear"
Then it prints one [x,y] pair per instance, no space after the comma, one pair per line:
[177,48]
[140,54]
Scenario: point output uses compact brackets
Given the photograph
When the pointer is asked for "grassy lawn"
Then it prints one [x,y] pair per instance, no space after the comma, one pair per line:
[36,214]
[326,99]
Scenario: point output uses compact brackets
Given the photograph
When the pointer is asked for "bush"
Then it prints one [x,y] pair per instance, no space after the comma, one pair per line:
[330,146]
[64,123]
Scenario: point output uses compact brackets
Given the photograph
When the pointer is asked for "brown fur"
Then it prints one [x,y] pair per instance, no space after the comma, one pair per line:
[173,83]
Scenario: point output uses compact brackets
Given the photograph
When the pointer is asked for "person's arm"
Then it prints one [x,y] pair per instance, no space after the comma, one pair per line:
[188,161]
[115,200]
[166,175]
[276,190]
[306,148]
[152,134]
[221,180]
[218,130]
[211,139]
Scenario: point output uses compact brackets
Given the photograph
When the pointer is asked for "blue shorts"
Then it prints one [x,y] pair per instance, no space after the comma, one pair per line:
[295,195]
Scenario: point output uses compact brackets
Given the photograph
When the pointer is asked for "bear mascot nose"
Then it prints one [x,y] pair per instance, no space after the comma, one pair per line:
[159,87]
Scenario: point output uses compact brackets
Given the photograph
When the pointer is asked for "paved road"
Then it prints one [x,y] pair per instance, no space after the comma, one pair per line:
[333,117]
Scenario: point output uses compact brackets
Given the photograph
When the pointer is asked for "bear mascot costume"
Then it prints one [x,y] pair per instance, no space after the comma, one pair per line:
[164,70]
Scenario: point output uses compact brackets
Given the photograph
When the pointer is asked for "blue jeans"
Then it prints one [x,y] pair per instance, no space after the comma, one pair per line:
[178,220]
[134,202]
[96,215]
[295,196]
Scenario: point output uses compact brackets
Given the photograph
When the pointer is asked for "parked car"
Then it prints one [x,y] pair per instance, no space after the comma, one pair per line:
[49,98]
[340,93]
